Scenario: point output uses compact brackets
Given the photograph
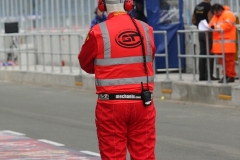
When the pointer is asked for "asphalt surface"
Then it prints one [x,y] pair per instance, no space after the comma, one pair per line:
[185,131]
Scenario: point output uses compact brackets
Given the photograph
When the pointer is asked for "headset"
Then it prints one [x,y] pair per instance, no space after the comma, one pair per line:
[127,5]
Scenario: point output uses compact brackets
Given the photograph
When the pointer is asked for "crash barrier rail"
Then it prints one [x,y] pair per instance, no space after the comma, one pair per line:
[165,54]
[195,57]
[57,52]
[45,52]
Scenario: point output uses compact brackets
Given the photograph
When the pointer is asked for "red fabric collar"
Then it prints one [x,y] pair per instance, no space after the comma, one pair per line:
[113,14]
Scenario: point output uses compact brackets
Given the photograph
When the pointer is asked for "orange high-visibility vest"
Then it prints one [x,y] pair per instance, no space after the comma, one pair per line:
[118,58]
[227,22]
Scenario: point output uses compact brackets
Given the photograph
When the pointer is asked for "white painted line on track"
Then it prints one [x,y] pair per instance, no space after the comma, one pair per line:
[51,142]
[91,153]
[14,133]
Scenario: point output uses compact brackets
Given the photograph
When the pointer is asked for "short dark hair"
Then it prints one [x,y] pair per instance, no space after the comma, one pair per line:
[216,7]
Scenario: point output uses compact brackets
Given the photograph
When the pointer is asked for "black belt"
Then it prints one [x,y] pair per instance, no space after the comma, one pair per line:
[127,96]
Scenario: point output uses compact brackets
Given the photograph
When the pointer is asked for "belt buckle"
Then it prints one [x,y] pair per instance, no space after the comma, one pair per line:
[103,96]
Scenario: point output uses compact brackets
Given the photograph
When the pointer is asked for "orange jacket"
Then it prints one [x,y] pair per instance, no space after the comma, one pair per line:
[113,52]
[227,22]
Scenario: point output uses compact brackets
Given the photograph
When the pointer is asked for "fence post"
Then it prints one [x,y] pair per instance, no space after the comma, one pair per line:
[179,57]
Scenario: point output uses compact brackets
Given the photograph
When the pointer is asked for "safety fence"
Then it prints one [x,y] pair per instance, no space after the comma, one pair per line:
[58,53]
[194,56]
[41,52]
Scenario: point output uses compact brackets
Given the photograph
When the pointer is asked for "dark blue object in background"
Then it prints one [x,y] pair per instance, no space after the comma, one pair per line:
[165,15]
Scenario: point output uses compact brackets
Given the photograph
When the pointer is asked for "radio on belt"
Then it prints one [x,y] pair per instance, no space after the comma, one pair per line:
[146,97]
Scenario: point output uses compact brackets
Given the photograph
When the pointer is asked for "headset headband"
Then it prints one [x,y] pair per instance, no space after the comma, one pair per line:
[113,1]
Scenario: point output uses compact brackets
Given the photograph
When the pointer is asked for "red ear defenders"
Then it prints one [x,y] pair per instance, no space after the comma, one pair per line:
[127,5]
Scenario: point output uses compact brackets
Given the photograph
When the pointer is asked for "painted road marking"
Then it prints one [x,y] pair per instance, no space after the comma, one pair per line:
[91,153]
[14,145]
[51,142]
[14,133]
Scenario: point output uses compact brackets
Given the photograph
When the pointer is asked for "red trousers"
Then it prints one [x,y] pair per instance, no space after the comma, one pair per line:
[123,125]
[230,64]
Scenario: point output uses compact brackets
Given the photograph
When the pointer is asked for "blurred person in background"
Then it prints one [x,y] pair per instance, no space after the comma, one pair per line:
[225,20]
[99,17]
[138,11]
[203,12]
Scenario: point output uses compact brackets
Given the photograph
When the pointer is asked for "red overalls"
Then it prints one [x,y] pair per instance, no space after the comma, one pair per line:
[113,52]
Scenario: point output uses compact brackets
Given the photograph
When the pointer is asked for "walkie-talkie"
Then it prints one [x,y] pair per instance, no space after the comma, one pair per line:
[146,97]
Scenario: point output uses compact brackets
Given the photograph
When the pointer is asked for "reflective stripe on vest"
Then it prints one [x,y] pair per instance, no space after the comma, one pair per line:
[107,60]
[106,41]
[123,81]
[229,21]
[225,41]
[147,38]
[226,21]
[128,60]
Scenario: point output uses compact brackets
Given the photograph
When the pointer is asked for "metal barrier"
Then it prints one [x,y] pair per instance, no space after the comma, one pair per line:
[162,54]
[46,52]
[50,52]
[57,52]
[194,57]
[238,37]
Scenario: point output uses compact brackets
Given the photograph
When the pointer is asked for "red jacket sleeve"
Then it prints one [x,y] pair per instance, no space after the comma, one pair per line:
[88,53]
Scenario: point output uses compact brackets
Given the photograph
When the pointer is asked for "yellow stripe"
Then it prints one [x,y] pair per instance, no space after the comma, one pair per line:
[224,97]
[78,83]
[167,91]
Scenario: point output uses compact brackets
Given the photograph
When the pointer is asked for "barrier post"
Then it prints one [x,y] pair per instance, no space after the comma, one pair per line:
[166,55]
[51,50]
[223,57]
[60,53]
[179,57]
[194,60]
[43,57]
[35,51]
[80,41]
[70,53]
[27,56]
[5,59]
[238,36]
[162,54]
[207,51]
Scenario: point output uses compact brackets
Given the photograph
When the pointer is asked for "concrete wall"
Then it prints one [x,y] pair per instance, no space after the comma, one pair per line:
[179,91]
